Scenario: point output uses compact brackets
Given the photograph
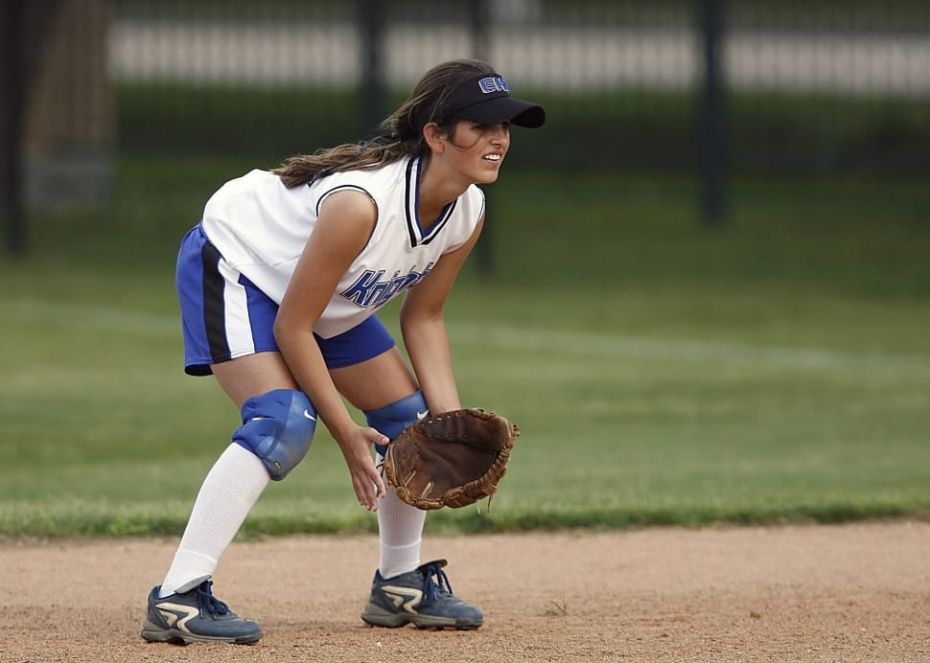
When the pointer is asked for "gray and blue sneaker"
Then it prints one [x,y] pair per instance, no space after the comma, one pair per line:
[423,597]
[196,616]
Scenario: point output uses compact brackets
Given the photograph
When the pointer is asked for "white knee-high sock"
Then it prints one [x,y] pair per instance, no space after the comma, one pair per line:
[401,532]
[228,493]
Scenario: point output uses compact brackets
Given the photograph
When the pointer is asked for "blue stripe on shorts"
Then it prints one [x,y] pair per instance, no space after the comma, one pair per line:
[201,285]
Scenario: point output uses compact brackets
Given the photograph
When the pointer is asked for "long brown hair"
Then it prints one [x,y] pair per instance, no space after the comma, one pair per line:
[401,133]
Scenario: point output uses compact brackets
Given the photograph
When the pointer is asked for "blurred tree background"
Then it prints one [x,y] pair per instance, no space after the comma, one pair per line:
[701,90]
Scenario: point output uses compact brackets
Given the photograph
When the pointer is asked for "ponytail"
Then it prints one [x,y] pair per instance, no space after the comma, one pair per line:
[304,168]
[402,132]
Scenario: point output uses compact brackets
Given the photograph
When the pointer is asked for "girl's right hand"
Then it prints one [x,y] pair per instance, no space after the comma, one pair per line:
[366,480]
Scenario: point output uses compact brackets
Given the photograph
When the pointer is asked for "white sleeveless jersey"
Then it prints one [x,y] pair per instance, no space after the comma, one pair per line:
[261,227]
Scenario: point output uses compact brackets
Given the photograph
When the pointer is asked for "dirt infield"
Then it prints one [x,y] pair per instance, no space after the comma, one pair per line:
[841,593]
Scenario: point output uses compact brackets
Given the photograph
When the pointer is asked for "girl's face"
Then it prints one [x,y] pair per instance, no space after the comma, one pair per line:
[477,150]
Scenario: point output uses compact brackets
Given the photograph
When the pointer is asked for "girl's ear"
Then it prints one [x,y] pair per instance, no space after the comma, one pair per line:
[435,137]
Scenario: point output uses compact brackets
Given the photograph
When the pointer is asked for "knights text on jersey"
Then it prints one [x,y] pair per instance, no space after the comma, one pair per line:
[260,227]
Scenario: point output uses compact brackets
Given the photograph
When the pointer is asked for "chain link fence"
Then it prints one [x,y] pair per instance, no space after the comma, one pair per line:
[808,86]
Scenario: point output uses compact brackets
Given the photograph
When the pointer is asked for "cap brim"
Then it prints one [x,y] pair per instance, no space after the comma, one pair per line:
[505,109]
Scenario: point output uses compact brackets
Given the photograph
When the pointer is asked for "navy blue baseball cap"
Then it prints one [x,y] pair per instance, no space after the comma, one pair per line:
[487,100]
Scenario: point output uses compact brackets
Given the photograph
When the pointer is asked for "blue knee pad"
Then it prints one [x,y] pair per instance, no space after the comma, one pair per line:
[392,419]
[278,428]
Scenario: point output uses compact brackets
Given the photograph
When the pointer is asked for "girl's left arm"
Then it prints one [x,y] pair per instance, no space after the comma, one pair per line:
[424,330]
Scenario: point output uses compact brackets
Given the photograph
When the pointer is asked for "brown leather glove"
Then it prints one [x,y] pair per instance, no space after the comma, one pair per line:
[452,459]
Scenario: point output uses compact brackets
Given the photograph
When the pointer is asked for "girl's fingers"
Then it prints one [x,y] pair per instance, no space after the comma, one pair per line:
[378,484]
[367,492]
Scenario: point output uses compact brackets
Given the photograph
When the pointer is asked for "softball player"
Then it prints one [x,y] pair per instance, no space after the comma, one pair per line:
[278,287]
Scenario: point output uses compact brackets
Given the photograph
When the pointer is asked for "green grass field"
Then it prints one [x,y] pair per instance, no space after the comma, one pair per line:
[776,369]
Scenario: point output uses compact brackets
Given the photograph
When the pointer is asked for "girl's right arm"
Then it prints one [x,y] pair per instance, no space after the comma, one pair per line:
[345,224]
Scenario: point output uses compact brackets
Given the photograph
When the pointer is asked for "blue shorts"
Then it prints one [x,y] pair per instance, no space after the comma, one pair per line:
[225,316]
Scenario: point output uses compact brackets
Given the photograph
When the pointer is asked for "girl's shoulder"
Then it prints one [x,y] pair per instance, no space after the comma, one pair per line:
[376,175]
[473,201]
[376,182]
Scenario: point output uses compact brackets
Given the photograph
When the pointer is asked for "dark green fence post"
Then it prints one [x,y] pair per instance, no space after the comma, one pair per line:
[712,126]
[12,102]
[371,19]
[22,30]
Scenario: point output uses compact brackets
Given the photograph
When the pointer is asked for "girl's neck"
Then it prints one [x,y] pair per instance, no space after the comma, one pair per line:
[437,189]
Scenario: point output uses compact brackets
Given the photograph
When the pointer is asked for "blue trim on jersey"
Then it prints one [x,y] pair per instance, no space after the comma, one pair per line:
[411,229]
[352,187]
[418,235]
[368,339]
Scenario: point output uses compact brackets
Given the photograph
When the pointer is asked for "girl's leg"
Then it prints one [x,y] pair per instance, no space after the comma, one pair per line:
[233,485]
[403,590]
[370,385]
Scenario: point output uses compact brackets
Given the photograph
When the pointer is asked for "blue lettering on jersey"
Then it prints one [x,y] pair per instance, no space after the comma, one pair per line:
[360,291]
[370,289]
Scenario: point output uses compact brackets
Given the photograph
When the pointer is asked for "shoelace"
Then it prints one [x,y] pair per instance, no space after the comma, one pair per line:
[209,602]
[432,589]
